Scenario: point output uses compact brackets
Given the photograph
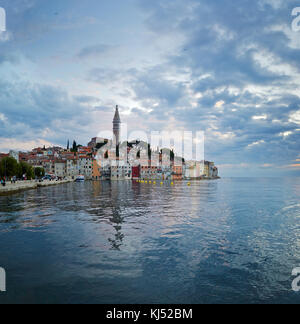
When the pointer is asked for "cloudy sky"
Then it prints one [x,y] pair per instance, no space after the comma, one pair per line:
[229,68]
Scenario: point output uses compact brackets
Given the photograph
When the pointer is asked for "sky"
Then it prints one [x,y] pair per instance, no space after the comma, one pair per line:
[228,68]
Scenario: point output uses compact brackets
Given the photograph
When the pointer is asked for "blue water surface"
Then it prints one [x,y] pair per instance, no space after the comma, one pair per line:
[234,240]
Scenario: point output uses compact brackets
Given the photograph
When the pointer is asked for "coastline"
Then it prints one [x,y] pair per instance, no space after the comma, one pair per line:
[202,178]
[12,188]
[20,186]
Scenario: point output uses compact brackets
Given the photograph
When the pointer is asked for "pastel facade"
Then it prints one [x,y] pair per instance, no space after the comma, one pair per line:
[85,166]
[96,175]
[194,170]
[177,172]
[60,169]
[72,168]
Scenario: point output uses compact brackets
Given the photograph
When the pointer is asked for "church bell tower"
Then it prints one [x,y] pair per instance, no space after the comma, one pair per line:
[117,126]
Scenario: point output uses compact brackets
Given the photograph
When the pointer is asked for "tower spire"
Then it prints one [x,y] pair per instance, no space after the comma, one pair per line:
[117,125]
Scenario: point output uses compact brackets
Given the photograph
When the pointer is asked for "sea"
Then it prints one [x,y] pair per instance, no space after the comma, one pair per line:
[233,240]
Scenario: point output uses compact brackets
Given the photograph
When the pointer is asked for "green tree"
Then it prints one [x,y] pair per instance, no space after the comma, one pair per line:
[25,168]
[75,147]
[8,167]
[39,172]
[172,155]
[30,173]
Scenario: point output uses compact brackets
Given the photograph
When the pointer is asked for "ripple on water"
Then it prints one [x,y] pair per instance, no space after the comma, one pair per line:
[233,240]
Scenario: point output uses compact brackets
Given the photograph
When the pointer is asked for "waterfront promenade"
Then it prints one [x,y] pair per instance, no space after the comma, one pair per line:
[25,185]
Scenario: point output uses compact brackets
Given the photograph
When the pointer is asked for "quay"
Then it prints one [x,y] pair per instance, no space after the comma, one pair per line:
[11,188]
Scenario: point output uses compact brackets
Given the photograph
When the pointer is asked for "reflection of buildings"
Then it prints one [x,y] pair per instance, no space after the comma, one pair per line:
[117,241]
[117,219]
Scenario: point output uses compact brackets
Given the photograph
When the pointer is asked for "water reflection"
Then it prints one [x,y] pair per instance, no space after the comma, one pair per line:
[117,219]
[234,240]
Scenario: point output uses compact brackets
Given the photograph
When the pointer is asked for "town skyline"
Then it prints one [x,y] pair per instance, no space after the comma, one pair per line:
[107,158]
[115,137]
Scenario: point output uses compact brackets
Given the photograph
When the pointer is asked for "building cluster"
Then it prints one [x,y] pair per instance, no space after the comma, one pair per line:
[58,161]
[112,164]
[120,170]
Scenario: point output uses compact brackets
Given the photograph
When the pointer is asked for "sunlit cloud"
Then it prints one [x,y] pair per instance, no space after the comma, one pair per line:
[7,144]
[256,143]
[262,117]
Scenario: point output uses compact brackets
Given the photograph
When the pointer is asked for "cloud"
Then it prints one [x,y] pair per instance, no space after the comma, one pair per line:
[86,99]
[295,117]
[296,166]
[262,117]
[7,144]
[5,36]
[96,50]
[6,57]
[242,80]
[40,111]
[229,70]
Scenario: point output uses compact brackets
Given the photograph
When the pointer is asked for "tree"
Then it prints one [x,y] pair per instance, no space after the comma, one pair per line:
[8,167]
[30,173]
[68,145]
[25,168]
[74,149]
[39,172]
[172,155]
[149,152]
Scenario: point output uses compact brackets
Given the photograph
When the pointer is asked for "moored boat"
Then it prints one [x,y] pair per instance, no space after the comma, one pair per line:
[80,178]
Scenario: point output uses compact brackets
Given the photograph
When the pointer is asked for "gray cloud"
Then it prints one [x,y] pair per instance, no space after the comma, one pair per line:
[40,111]
[233,75]
[96,50]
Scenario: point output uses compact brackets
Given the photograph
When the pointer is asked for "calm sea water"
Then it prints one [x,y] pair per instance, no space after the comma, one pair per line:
[227,241]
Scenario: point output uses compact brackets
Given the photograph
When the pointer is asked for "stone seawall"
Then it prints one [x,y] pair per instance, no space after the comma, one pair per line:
[11,188]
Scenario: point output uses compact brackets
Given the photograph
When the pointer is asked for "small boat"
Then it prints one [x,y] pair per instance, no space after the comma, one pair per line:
[80,178]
